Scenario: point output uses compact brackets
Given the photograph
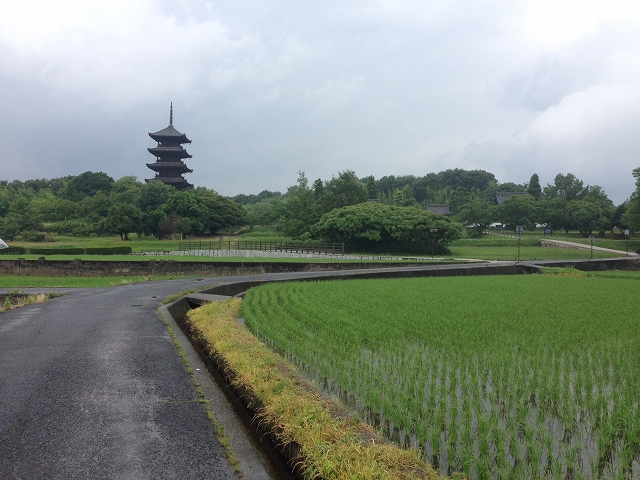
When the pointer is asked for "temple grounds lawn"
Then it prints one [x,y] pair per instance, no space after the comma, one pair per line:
[499,377]
[486,247]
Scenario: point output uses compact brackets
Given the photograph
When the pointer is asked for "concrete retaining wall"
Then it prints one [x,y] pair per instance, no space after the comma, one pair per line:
[625,263]
[91,268]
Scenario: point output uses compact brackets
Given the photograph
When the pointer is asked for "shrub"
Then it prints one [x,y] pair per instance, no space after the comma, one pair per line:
[121,250]
[13,251]
[57,251]
[33,236]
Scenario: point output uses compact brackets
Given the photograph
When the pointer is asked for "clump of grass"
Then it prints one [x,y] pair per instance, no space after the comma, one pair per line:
[176,296]
[22,300]
[563,271]
[330,447]
[573,272]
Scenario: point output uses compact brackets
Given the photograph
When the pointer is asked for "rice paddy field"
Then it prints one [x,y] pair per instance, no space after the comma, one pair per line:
[532,376]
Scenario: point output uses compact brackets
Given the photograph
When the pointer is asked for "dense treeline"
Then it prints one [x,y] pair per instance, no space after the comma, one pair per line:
[344,208]
[95,203]
[567,204]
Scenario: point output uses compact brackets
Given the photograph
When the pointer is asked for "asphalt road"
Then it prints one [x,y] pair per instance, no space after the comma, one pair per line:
[91,386]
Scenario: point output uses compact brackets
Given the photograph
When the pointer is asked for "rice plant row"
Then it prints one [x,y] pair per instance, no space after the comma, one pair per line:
[498,377]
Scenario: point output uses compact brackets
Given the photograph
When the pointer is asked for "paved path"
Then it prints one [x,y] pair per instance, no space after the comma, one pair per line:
[91,386]
[587,247]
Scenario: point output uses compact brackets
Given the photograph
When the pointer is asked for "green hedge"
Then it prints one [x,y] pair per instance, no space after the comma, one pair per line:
[57,251]
[13,251]
[123,250]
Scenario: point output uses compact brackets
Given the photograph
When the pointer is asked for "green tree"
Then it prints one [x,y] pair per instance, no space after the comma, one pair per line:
[53,209]
[632,216]
[585,216]
[264,212]
[551,213]
[377,227]
[340,192]
[94,207]
[568,187]
[617,218]
[518,210]
[296,214]
[153,195]
[124,218]
[220,211]
[533,187]
[151,221]
[510,187]
[4,201]
[126,190]
[184,204]
[21,214]
[477,214]
[372,188]
[8,228]
[86,185]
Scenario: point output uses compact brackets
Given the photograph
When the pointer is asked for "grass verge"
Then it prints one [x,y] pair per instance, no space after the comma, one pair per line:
[526,253]
[16,299]
[331,444]
[176,296]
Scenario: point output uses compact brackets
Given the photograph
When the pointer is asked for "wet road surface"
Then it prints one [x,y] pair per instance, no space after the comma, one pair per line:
[92,386]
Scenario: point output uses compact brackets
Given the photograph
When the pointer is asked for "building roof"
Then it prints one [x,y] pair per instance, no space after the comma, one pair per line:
[176,167]
[504,196]
[169,152]
[169,134]
[438,208]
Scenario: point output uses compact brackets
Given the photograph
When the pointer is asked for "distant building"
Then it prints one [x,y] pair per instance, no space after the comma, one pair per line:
[169,166]
[438,208]
[504,196]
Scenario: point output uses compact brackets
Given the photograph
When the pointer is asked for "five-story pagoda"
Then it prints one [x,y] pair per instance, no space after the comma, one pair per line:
[169,153]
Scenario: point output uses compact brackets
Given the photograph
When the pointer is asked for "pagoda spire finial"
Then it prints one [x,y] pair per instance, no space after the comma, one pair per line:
[171,114]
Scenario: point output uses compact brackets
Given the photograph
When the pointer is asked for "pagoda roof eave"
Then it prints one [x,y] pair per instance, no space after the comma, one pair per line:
[169,166]
[170,133]
[169,152]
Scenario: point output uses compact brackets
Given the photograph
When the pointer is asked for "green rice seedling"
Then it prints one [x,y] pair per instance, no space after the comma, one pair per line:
[445,369]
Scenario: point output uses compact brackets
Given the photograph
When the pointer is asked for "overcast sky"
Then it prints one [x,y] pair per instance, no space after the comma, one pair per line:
[265,89]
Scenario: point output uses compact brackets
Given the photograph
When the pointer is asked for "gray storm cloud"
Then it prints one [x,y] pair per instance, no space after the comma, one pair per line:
[265,89]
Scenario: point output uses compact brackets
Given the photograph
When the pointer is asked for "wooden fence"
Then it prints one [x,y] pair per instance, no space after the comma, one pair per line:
[292,247]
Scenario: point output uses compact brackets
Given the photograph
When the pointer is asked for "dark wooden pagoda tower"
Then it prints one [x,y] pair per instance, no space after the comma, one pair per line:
[169,166]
